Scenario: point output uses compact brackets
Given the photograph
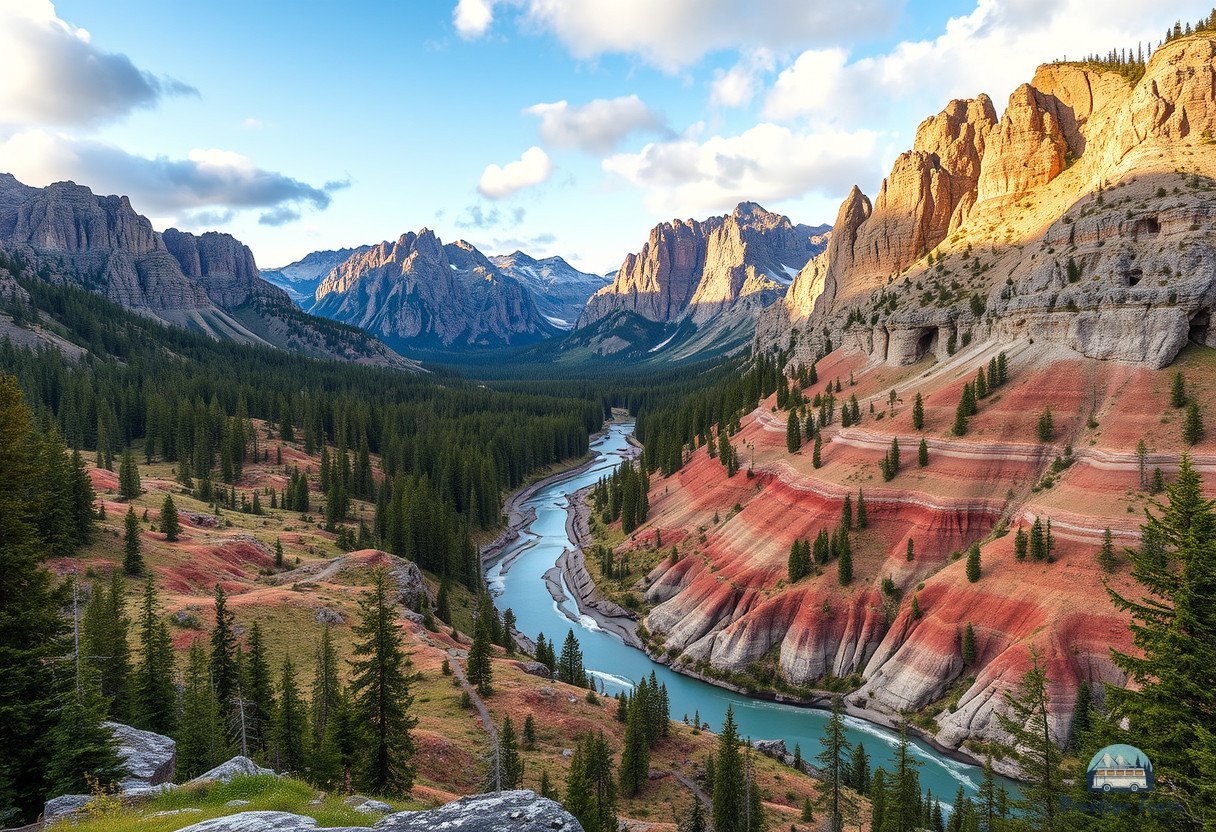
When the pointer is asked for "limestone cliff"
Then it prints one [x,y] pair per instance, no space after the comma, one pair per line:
[700,269]
[1078,215]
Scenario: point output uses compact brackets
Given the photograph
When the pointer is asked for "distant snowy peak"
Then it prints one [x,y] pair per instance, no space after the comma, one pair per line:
[559,290]
[301,278]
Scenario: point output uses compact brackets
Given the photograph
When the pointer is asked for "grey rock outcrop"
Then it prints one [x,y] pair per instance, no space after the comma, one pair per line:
[513,811]
[150,759]
[301,278]
[236,767]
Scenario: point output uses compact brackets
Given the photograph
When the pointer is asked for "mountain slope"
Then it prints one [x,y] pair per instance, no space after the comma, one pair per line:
[420,292]
[559,290]
[1071,241]
[301,278]
[712,274]
[66,234]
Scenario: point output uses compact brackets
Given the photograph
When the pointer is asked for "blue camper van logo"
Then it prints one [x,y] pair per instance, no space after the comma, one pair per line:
[1120,768]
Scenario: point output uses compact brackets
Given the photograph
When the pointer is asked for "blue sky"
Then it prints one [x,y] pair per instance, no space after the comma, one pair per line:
[307,125]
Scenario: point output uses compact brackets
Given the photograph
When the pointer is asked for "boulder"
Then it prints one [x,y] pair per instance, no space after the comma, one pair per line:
[236,767]
[535,669]
[150,759]
[64,805]
[514,811]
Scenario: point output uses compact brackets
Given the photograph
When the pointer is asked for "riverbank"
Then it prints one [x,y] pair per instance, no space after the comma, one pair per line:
[607,615]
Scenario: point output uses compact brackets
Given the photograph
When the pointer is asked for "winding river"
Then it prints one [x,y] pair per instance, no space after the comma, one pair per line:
[520,586]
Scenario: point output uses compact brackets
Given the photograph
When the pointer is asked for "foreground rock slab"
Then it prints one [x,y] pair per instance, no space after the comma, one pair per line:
[513,811]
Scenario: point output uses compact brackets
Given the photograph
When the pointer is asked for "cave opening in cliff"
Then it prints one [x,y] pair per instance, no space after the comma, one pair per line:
[1200,323]
[926,343]
[1134,276]
[1148,226]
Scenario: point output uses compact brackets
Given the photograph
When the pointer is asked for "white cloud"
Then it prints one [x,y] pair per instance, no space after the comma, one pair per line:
[252,124]
[473,17]
[532,168]
[768,162]
[676,33]
[206,179]
[597,126]
[54,75]
[994,48]
[736,87]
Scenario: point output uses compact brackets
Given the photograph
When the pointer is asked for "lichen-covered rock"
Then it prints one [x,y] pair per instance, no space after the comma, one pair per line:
[150,759]
[63,806]
[236,767]
[513,811]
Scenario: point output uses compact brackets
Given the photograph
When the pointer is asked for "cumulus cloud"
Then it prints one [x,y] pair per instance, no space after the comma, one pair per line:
[475,216]
[473,17]
[769,162]
[206,179]
[595,127]
[675,33]
[991,49]
[54,74]
[737,86]
[532,168]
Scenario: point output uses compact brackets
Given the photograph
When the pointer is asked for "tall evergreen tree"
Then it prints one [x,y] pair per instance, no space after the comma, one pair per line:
[973,562]
[1172,702]
[591,787]
[155,695]
[380,685]
[105,635]
[480,667]
[169,523]
[635,755]
[201,744]
[128,477]
[902,803]
[918,412]
[290,723]
[258,693]
[132,555]
[82,748]
[225,674]
[729,798]
[834,772]
[793,433]
[510,762]
[1035,746]
[570,662]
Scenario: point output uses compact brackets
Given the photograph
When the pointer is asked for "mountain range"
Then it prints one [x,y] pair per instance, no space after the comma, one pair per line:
[209,282]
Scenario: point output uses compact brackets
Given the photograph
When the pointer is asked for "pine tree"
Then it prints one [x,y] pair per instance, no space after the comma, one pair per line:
[82,747]
[510,764]
[1046,429]
[570,662]
[834,771]
[155,696]
[128,477]
[380,686]
[480,667]
[844,562]
[104,635]
[694,818]
[529,734]
[859,767]
[590,786]
[225,675]
[290,723]
[278,553]
[1081,716]
[635,755]
[1038,542]
[922,453]
[793,433]
[1020,542]
[1173,675]
[968,645]
[863,522]
[200,737]
[258,693]
[816,459]
[918,412]
[1106,554]
[902,803]
[915,610]
[508,631]
[1027,721]
[132,557]
[1192,424]
[961,414]
[729,800]
[911,550]
[1178,397]
[973,562]
[169,523]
